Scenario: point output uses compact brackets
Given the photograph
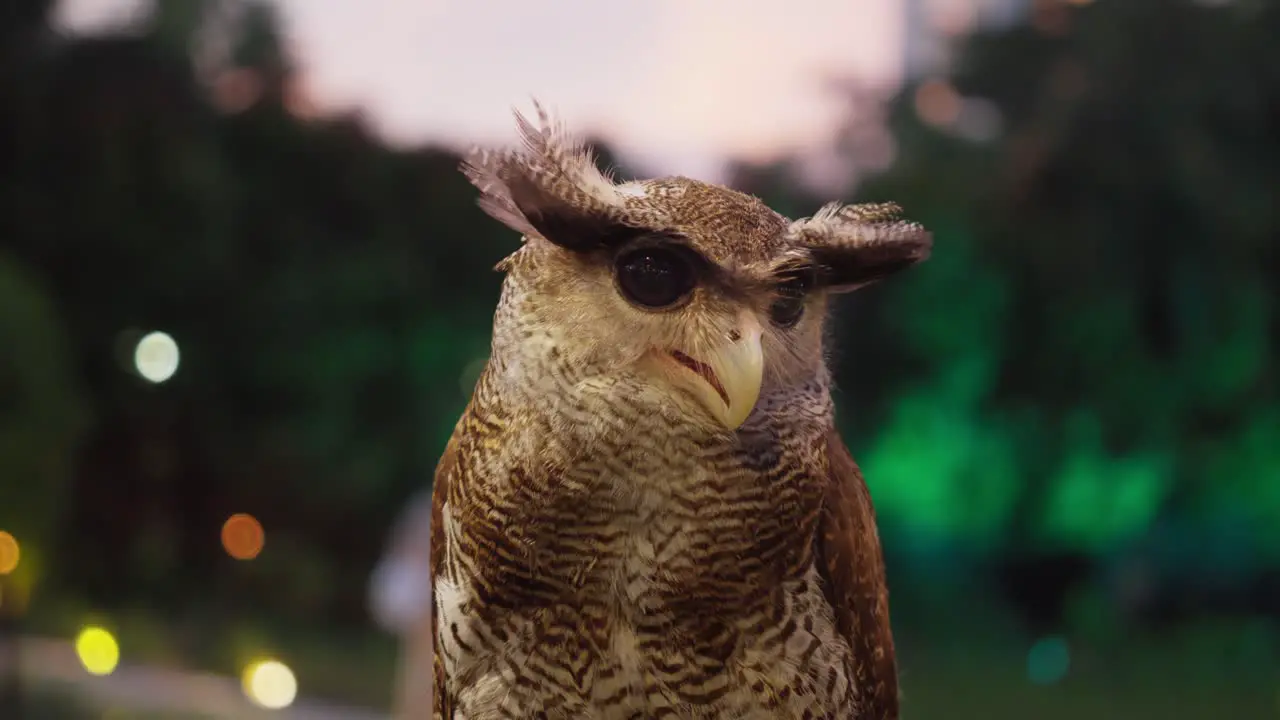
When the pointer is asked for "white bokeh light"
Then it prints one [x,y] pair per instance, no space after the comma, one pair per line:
[156,357]
[270,684]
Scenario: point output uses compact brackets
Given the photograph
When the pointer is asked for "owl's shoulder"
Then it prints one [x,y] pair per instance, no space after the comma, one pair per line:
[851,563]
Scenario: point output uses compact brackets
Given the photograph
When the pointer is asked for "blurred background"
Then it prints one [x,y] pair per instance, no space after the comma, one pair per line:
[244,294]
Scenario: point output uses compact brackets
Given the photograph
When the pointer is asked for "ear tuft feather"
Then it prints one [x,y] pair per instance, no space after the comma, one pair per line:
[855,245]
[549,187]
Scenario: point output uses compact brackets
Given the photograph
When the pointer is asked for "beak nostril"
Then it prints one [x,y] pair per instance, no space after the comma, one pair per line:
[734,336]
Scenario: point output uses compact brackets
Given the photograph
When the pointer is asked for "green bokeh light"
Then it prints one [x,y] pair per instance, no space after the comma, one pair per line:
[1048,660]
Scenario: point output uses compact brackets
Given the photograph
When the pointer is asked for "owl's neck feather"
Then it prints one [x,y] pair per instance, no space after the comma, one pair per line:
[573,453]
[656,503]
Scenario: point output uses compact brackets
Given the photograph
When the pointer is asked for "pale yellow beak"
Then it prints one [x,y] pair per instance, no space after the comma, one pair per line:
[727,379]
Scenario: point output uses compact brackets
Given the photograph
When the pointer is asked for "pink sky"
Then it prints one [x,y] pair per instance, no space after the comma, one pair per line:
[677,84]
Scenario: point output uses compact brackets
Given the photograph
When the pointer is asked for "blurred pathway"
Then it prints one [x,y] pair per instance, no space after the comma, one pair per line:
[140,688]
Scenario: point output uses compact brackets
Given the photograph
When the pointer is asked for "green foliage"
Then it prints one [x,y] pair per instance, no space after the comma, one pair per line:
[326,293]
[42,413]
[1097,501]
[1095,336]
[938,477]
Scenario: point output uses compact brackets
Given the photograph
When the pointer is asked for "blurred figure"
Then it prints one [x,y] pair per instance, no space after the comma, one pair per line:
[400,603]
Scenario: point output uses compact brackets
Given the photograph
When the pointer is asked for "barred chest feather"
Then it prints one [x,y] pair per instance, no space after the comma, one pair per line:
[630,585]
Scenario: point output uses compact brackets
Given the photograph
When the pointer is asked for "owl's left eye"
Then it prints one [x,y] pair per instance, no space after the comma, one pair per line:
[655,277]
[788,306]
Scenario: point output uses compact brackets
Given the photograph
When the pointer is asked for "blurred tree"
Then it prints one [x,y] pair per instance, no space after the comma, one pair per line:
[328,296]
[175,26]
[1129,205]
[42,417]
[20,22]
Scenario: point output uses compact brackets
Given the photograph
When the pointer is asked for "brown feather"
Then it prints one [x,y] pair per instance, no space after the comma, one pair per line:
[440,495]
[549,187]
[856,245]
[853,566]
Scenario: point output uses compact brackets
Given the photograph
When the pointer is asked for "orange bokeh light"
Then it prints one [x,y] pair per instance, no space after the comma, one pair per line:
[9,553]
[938,103]
[242,536]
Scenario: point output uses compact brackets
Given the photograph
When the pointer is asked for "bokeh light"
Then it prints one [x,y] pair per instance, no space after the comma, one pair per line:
[270,684]
[938,103]
[98,651]
[156,357]
[1048,660]
[243,536]
[10,553]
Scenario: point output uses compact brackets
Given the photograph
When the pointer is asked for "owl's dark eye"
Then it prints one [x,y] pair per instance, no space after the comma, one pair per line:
[788,307]
[655,277]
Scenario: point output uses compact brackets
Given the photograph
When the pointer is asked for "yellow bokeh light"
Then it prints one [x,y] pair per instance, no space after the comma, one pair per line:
[98,651]
[10,553]
[270,684]
[243,536]
[156,357]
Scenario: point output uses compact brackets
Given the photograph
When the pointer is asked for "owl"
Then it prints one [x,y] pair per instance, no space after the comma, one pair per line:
[645,511]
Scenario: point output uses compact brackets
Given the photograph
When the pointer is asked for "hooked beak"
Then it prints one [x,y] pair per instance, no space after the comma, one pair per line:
[727,379]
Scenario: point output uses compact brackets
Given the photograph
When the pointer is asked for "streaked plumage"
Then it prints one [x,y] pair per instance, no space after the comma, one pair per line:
[647,513]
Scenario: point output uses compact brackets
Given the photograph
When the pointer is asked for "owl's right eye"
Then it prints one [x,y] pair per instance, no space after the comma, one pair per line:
[655,277]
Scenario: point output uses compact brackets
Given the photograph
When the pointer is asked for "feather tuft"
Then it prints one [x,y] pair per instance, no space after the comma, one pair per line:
[859,244]
[549,186]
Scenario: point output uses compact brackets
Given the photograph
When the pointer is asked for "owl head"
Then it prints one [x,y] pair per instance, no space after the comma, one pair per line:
[671,292]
